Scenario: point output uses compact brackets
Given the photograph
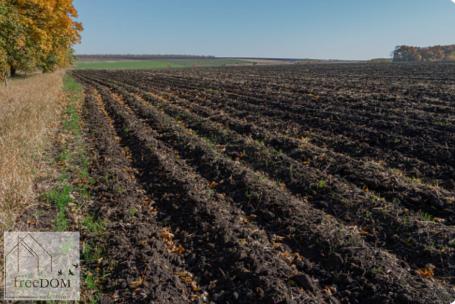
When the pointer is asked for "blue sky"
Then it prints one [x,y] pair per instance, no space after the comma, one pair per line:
[349,29]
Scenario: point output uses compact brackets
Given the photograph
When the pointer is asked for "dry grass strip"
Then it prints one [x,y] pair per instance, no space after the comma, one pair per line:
[30,111]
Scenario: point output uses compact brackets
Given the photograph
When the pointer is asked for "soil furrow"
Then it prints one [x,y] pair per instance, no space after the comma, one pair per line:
[311,101]
[139,267]
[273,184]
[236,260]
[336,249]
[411,166]
[412,239]
[365,175]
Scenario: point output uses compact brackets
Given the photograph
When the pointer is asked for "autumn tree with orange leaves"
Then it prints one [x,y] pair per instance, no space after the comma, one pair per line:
[37,34]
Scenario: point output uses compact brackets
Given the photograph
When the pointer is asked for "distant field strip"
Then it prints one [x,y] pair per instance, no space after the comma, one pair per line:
[154,64]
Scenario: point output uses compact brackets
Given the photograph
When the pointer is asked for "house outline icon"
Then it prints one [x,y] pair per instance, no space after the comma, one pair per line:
[30,246]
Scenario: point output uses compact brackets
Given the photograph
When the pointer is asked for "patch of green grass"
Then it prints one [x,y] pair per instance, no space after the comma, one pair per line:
[154,64]
[60,197]
[73,90]
[84,191]
[93,225]
[90,281]
[72,124]
[426,217]
[75,178]
[322,184]
[72,87]
[132,211]
[64,177]
[91,253]
[63,156]
[61,221]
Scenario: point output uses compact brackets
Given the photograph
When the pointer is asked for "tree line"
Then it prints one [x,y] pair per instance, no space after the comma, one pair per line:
[37,35]
[404,53]
[139,57]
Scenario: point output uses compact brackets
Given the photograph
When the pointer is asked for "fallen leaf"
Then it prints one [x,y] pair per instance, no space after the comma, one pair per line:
[178,249]
[166,234]
[136,283]
[426,272]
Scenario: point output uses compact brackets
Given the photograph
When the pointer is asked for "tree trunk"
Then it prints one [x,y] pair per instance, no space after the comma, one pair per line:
[13,71]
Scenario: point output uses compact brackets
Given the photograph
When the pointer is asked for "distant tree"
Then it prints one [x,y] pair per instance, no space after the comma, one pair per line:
[404,53]
[451,56]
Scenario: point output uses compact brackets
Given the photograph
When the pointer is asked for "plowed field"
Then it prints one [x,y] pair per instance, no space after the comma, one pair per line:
[284,184]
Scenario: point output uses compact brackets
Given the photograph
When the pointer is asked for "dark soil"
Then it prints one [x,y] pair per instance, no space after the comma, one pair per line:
[297,184]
